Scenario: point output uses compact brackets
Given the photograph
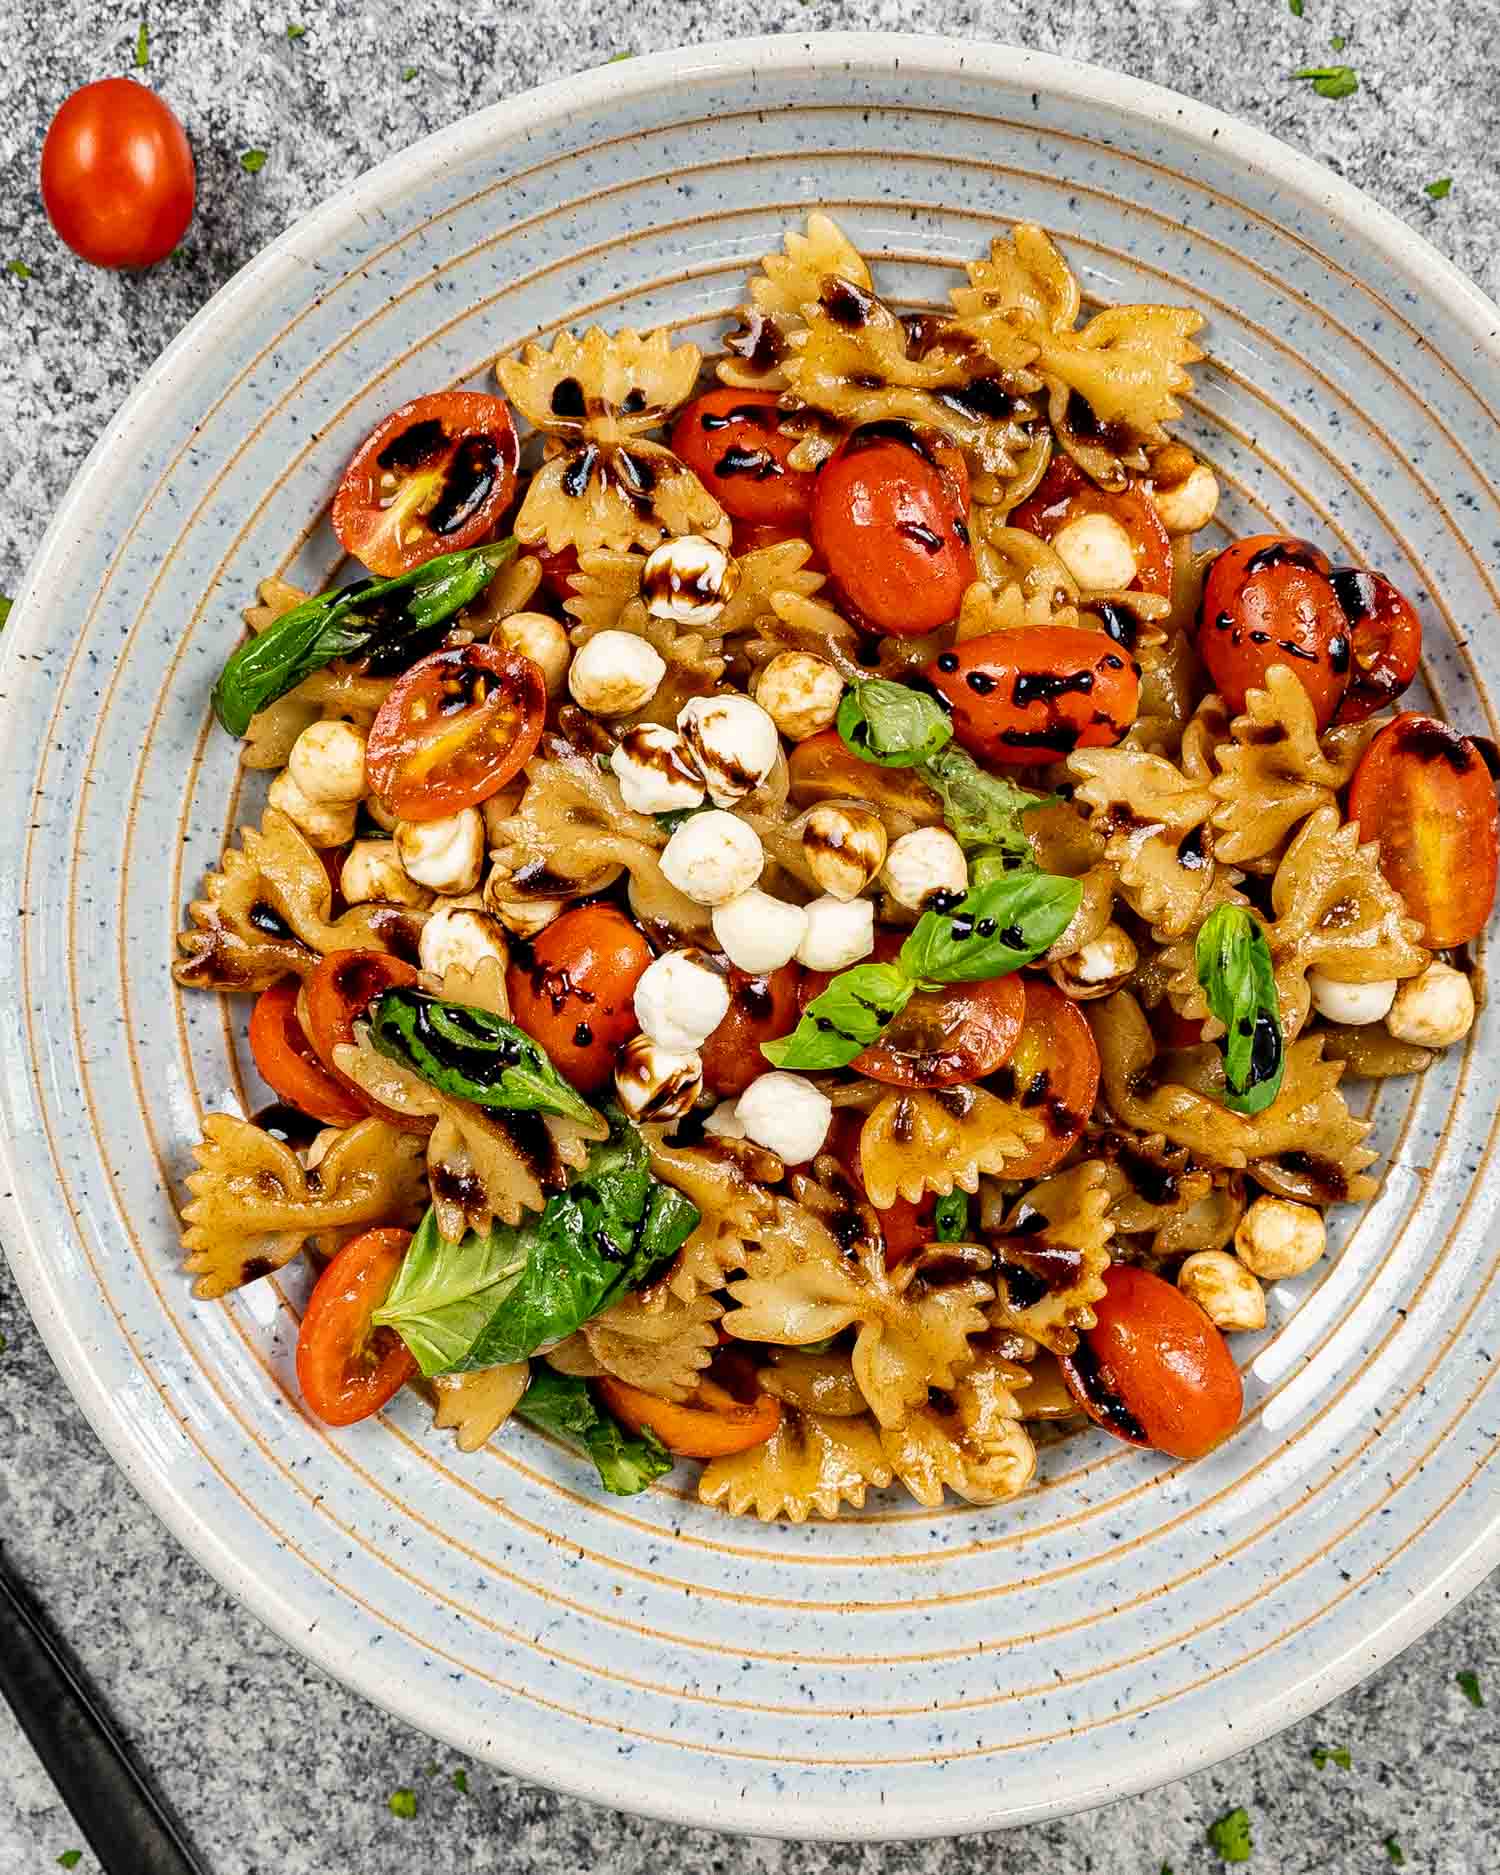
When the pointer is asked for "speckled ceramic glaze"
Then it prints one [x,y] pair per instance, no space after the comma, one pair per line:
[904,1672]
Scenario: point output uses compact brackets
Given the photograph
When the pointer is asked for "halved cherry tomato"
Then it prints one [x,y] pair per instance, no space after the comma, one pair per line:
[573,992]
[287,1063]
[890,516]
[1270,600]
[432,477]
[1154,1370]
[904,1226]
[1425,793]
[760,1009]
[117,175]
[1065,493]
[454,729]
[335,996]
[735,444]
[347,1369]
[1053,1071]
[1385,638]
[944,1037]
[1037,693]
[711,1424]
[825,768]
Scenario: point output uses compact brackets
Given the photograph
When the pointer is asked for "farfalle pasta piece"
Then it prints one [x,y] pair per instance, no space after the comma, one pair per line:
[1208,1223]
[970,1440]
[1128,364]
[1024,278]
[813,1462]
[732,1206]
[607,597]
[482,987]
[763,573]
[335,691]
[253,1207]
[473,1407]
[935,1139]
[777,294]
[655,1340]
[1151,1181]
[812,1382]
[1051,1253]
[1154,822]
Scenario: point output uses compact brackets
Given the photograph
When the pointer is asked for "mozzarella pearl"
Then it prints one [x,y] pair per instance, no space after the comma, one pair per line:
[326,823]
[327,763]
[373,875]
[615,673]
[1351,1003]
[542,640]
[725,1122]
[460,937]
[839,932]
[733,741]
[689,580]
[445,855]
[844,844]
[1096,550]
[1190,503]
[656,771]
[787,1115]
[800,693]
[924,864]
[1097,968]
[713,858]
[1224,1289]
[1434,1009]
[680,1000]
[656,1083]
[758,933]
[1278,1238]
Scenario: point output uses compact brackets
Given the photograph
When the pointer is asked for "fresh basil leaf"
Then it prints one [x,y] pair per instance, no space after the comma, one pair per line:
[1331,81]
[891,724]
[992,862]
[472,1054]
[951,1218]
[991,931]
[445,1292]
[1233,962]
[564,1406]
[981,809]
[388,617]
[845,1019]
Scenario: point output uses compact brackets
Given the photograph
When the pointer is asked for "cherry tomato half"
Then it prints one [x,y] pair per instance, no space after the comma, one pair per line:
[760,1009]
[347,1369]
[454,729]
[890,520]
[1424,792]
[825,768]
[904,1226]
[573,993]
[117,175]
[432,477]
[711,1424]
[1054,1072]
[944,1037]
[1154,1370]
[734,443]
[1385,637]
[1269,600]
[1037,693]
[336,995]
[1065,493]
[287,1063]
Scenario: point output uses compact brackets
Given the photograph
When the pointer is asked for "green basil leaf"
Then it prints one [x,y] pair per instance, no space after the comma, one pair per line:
[1235,971]
[445,1292]
[891,724]
[951,1218]
[845,1019]
[564,1406]
[990,863]
[472,1054]
[991,931]
[982,809]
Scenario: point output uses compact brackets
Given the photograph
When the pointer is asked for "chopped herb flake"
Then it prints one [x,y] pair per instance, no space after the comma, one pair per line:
[615,57]
[1295,7]
[142,48]
[1394,1851]
[460,1782]
[1437,190]
[22,271]
[296,32]
[1331,81]
[70,1858]
[403,1803]
[5,605]
[1338,42]
[252,161]
[1324,1755]
[1229,1836]
[1468,1685]
[408,73]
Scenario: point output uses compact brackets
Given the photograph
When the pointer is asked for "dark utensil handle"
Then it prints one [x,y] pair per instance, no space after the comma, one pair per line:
[126,1827]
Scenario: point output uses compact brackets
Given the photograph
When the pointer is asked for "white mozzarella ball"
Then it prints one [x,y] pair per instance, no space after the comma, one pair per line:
[656,1083]
[844,844]
[1190,503]
[924,864]
[758,933]
[725,1122]
[800,693]
[1097,551]
[787,1115]
[1433,1010]
[615,673]
[839,932]
[325,823]
[713,857]
[327,763]
[460,937]
[373,875]
[733,741]
[689,580]
[680,1000]
[656,770]
[1277,1237]
[542,640]
[1351,1003]
[445,855]
[1224,1289]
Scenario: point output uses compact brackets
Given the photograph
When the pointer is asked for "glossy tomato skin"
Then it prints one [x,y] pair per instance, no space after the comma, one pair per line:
[944,1038]
[573,992]
[1053,1071]
[1154,1370]
[288,1064]
[890,521]
[1037,693]
[760,1009]
[433,477]
[348,1370]
[1270,600]
[336,995]
[904,1226]
[118,180]
[825,768]
[735,444]
[712,1423]
[558,570]
[455,728]
[1423,791]
[1065,493]
[1385,638]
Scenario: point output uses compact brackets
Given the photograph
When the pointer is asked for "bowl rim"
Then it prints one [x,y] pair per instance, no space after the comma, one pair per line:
[831,1815]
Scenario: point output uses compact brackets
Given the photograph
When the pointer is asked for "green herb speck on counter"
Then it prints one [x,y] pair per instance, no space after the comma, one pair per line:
[1468,1684]
[1229,1836]
[252,161]
[403,1803]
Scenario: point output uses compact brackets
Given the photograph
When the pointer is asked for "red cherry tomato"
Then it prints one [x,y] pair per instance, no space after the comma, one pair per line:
[1065,493]
[825,768]
[432,477]
[734,443]
[454,729]
[574,993]
[558,569]
[1053,1072]
[287,1063]
[750,536]
[1269,600]
[346,1368]
[1424,792]
[710,1423]
[1155,1370]
[760,1009]
[1037,693]
[1385,638]
[117,175]
[337,993]
[890,520]
[904,1226]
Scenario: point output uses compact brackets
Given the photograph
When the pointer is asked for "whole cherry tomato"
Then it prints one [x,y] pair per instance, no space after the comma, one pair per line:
[336,995]
[1065,493]
[1270,600]
[904,1226]
[712,1423]
[117,175]
[346,1367]
[454,729]
[760,1009]
[573,992]
[1054,1072]
[890,520]
[1385,637]
[1423,791]
[1154,1370]
[288,1064]
[432,477]
[1037,693]
[735,443]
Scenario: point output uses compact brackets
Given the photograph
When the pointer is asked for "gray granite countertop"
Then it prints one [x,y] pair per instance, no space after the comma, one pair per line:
[269,1765]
